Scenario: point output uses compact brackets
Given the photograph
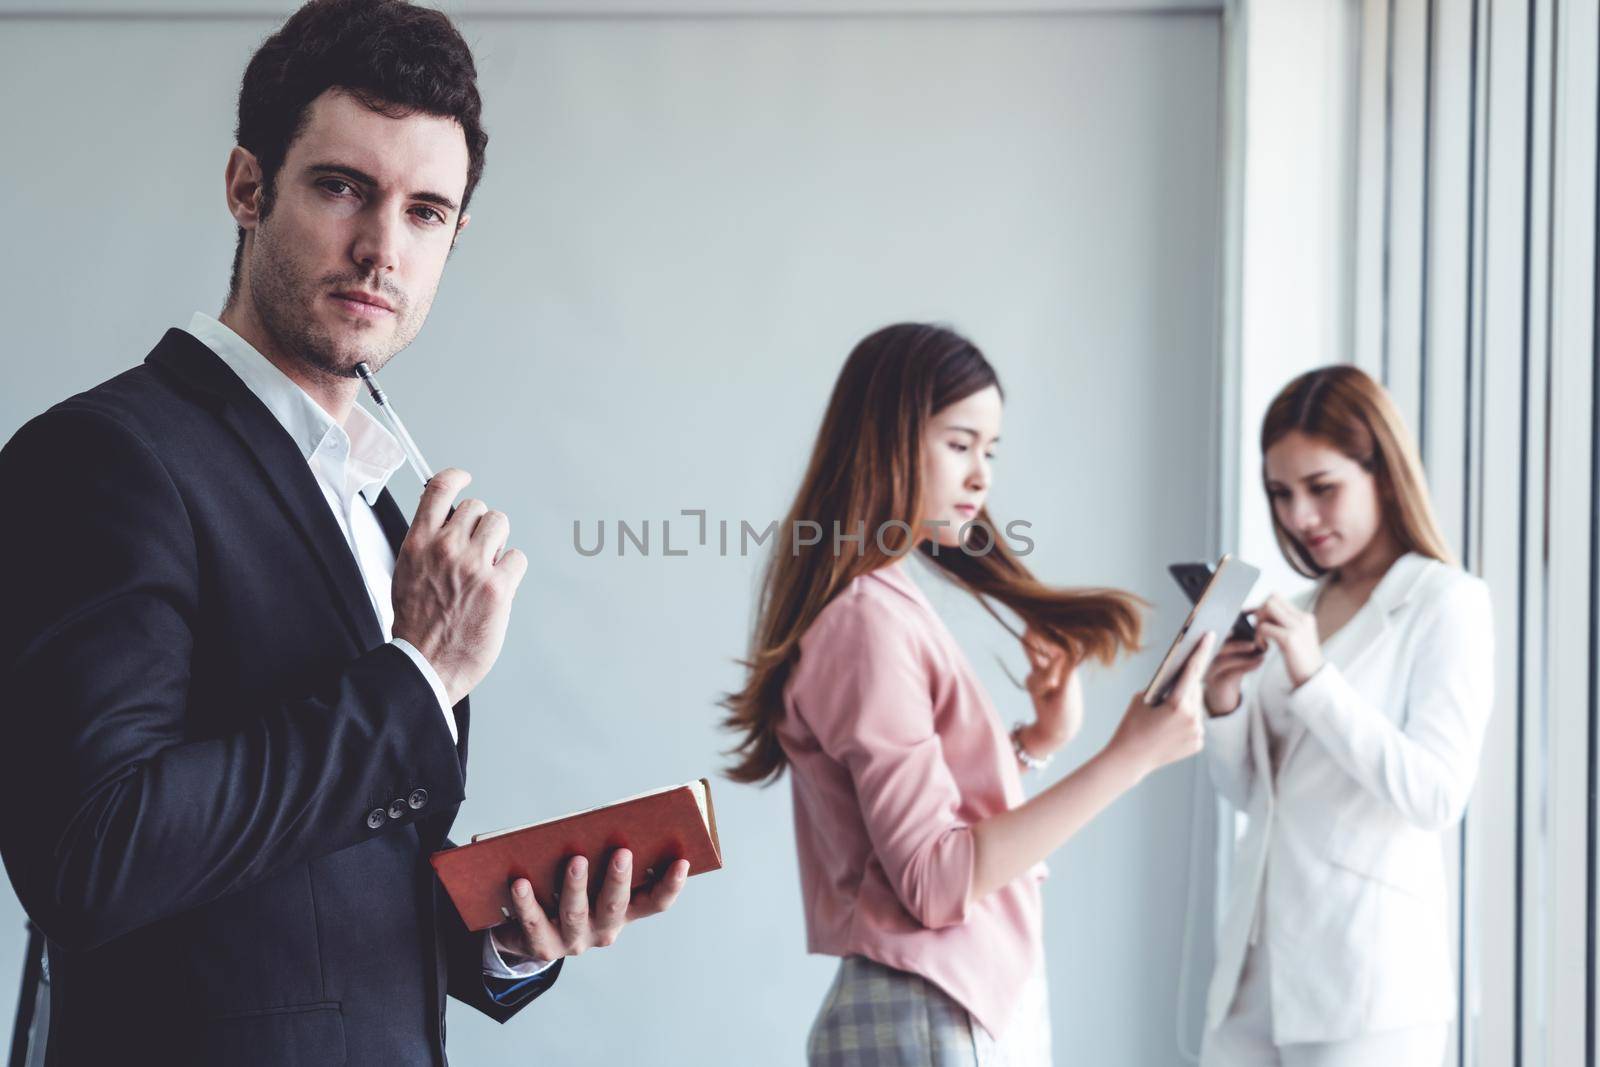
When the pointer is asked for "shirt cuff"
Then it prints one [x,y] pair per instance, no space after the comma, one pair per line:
[1230,727]
[433,682]
[495,965]
[1313,692]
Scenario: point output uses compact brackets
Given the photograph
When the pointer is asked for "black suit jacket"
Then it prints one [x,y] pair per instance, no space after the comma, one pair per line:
[219,787]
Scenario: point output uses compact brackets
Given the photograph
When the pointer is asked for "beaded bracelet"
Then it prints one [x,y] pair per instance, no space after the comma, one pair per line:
[1026,758]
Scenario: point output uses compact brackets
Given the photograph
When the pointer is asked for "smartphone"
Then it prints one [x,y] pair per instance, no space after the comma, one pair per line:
[1220,601]
[1193,578]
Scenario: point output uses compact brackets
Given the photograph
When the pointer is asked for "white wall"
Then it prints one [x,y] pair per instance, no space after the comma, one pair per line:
[684,225]
[1294,302]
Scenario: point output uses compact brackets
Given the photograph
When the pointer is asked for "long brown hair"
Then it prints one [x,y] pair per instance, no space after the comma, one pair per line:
[1343,406]
[865,475]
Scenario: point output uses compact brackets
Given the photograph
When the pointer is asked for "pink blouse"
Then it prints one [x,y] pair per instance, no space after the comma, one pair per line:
[895,752]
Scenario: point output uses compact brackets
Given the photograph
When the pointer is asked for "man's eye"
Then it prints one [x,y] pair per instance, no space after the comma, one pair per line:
[437,217]
[328,185]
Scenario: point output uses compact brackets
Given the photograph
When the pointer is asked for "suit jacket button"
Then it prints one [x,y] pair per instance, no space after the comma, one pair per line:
[418,798]
[375,818]
[397,809]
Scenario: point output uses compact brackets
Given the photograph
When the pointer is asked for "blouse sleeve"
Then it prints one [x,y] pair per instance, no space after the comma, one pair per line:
[864,687]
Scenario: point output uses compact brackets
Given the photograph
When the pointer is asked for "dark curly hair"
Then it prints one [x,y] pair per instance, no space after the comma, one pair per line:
[396,58]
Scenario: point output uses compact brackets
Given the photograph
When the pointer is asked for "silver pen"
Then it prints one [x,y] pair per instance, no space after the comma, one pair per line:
[413,453]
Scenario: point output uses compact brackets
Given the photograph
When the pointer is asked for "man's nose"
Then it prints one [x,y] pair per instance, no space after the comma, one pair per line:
[377,243]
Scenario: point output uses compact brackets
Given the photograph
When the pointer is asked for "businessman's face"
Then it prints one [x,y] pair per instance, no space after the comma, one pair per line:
[344,267]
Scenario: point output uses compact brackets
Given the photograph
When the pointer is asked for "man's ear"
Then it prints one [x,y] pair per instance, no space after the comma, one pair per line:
[242,187]
[460,227]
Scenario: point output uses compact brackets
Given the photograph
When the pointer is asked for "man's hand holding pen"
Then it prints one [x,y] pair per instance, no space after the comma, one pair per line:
[454,580]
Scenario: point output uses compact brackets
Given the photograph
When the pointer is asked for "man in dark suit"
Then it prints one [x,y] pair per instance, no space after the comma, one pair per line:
[234,683]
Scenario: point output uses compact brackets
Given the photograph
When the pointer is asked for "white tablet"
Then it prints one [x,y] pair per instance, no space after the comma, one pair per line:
[1214,612]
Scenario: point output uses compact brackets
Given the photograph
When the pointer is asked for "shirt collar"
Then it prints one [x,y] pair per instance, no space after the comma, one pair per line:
[1398,582]
[373,453]
[897,576]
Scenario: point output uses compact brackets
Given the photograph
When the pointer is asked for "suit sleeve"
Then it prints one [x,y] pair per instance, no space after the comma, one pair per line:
[119,816]
[1228,752]
[1427,766]
[866,694]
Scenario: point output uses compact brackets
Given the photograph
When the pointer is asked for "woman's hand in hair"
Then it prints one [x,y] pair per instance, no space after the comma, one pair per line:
[1295,633]
[1225,676]
[1057,695]
[1152,737]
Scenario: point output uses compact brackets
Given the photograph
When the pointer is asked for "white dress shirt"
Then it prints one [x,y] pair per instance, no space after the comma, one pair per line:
[351,461]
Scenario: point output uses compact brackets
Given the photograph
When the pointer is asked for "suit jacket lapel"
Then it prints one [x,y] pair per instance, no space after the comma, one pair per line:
[392,519]
[1366,626]
[1372,621]
[284,469]
[394,524]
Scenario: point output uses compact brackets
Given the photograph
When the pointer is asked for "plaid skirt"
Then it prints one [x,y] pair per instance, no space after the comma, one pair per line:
[876,1016]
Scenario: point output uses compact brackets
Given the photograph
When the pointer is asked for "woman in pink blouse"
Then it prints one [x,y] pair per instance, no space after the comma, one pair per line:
[920,857]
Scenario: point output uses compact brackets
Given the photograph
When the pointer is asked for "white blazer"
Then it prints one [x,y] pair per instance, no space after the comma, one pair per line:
[1340,874]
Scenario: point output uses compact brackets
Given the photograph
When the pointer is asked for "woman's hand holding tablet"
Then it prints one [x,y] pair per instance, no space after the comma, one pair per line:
[1213,613]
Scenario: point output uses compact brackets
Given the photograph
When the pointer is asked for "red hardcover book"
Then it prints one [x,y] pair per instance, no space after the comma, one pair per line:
[669,824]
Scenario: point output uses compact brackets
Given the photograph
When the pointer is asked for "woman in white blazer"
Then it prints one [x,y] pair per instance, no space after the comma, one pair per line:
[1354,753]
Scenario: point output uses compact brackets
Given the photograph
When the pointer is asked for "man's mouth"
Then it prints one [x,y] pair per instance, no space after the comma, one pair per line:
[360,304]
